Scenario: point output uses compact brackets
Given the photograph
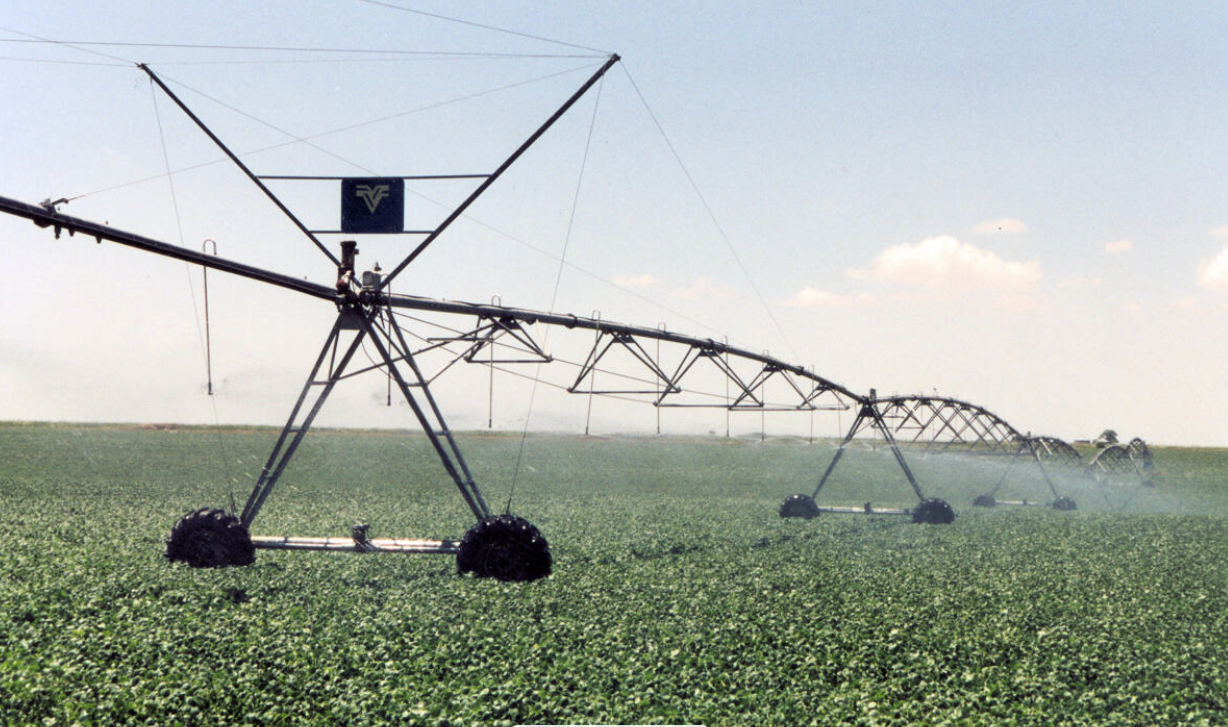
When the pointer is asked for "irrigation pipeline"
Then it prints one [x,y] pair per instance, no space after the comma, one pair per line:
[45,215]
[707,346]
[930,422]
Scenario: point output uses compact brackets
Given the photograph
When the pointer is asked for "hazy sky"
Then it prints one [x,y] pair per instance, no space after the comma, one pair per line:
[1024,205]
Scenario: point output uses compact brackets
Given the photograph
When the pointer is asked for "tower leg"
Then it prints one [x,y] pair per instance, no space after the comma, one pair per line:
[295,429]
[932,510]
[427,412]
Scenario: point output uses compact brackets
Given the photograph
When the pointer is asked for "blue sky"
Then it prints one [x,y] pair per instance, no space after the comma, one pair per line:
[1022,205]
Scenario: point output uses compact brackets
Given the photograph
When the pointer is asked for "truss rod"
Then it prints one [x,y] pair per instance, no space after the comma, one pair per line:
[628,342]
[407,177]
[499,172]
[869,416]
[863,413]
[286,444]
[430,418]
[594,324]
[911,412]
[1030,443]
[256,180]
[46,216]
[998,429]
[698,353]
[899,456]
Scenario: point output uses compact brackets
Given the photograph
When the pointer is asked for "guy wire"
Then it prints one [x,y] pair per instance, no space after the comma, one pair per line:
[558,279]
[170,179]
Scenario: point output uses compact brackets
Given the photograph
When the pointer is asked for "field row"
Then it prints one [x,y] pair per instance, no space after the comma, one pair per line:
[679,596]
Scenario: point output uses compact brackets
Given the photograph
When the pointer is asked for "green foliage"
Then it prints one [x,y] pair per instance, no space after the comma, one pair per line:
[679,595]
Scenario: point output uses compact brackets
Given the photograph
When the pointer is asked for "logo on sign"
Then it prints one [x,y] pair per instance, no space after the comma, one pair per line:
[372,194]
[375,206]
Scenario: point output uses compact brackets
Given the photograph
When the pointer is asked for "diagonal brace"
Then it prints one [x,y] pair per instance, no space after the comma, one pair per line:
[292,434]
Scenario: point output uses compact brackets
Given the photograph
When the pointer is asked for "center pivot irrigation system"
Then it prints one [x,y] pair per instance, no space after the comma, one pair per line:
[502,546]
[505,546]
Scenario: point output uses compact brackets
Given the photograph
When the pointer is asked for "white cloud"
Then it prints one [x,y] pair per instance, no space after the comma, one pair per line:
[1220,233]
[701,288]
[1132,308]
[634,281]
[1187,304]
[1021,303]
[1079,282]
[1213,273]
[1004,226]
[1118,247]
[810,298]
[945,262]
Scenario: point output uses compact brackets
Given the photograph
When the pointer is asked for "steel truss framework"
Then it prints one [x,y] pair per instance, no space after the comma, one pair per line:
[370,311]
[935,424]
[929,424]
[1118,463]
[501,546]
[501,335]
[1058,452]
[366,313]
[940,424]
[1031,447]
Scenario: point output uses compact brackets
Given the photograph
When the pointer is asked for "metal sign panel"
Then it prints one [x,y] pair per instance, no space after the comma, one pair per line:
[372,205]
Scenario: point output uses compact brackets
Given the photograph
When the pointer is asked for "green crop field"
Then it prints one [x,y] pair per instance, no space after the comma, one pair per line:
[678,597]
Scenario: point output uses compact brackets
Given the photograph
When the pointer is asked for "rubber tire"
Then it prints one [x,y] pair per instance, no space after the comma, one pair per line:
[984,501]
[799,505]
[933,511]
[506,548]
[210,538]
[1064,504]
